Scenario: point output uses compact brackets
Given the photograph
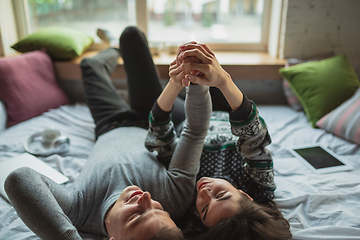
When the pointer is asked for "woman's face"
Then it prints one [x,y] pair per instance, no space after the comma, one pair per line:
[217,199]
[135,215]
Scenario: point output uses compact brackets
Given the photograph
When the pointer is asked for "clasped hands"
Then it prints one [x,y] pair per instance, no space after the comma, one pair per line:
[196,63]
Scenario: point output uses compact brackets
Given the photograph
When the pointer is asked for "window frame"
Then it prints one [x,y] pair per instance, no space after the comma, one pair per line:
[2,53]
[22,19]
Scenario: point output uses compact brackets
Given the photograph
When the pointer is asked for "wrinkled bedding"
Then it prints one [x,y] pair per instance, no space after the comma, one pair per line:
[319,206]
[323,206]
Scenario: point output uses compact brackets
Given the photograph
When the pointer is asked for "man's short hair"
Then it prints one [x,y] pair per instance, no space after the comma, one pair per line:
[168,233]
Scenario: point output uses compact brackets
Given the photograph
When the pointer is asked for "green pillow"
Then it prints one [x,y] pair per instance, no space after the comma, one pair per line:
[61,43]
[323,85]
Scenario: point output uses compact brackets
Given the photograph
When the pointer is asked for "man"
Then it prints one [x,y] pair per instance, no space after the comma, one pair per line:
[111,197]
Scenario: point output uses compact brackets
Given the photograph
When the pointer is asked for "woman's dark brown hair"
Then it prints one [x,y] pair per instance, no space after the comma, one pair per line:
[253,221]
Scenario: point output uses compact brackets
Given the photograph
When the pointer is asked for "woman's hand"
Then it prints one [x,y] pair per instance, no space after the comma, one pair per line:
[200,65]
[175,74]
[178,75]
[172,88]
[206,70]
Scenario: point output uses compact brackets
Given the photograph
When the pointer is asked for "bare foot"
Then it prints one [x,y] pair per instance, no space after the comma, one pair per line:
[107,37]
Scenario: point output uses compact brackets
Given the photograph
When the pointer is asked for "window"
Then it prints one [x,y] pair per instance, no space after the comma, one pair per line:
[216,22]
[85,15]
[223,24]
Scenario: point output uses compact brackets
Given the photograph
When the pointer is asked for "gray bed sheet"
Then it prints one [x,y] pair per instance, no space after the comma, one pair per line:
[322,206]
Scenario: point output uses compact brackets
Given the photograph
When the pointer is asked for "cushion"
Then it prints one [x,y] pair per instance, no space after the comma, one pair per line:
[322,85]
[28,86]
[3,116]
[291,97]
[61,43]
[344,121]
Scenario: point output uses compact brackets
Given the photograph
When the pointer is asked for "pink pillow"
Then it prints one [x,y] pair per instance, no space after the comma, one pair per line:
[344,121]
[291,98]
[28,86]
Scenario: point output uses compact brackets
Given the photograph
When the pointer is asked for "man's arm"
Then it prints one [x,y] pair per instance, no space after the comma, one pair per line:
[189,148]
[185,161]
[39,202]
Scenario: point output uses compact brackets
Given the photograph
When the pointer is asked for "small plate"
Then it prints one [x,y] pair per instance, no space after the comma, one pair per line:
[36,145]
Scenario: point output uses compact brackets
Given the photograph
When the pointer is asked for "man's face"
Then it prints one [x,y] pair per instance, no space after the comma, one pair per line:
[135,215]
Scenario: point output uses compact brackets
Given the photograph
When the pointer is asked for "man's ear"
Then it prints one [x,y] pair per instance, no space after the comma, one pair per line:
[111,238]
[247,195]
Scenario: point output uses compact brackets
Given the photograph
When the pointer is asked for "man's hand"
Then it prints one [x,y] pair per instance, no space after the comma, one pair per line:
[200,65]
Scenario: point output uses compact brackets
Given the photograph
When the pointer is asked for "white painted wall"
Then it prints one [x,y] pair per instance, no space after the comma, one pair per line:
[315,27]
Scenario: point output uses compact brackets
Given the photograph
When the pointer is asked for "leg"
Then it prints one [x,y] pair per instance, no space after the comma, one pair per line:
[42,204]
[105,104]
[143,78]
[218,100]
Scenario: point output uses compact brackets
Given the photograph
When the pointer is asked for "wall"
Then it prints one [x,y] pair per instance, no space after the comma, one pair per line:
[315,27]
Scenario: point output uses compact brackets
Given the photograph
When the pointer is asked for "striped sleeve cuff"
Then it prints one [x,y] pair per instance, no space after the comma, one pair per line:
[243,112]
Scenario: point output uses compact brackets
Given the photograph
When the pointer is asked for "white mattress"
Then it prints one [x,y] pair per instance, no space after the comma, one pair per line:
[318,206]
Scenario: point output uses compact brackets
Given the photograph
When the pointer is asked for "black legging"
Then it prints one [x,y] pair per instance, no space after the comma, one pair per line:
[109,110]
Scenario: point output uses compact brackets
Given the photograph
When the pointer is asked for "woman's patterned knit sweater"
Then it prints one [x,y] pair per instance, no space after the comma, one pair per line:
[234,148]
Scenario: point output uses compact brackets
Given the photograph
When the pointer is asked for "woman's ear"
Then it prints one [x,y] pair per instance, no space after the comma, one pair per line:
[247,195]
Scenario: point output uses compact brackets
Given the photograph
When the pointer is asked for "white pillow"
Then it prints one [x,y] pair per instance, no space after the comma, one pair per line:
[3,116]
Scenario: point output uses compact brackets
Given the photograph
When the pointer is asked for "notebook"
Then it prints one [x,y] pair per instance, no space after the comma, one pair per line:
[27,160]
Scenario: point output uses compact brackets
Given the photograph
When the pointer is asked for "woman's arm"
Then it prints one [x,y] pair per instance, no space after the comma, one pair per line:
[161,136]
[172,88]
[253,139]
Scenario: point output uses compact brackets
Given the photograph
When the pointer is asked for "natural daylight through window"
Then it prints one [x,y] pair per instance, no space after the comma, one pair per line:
[168,22]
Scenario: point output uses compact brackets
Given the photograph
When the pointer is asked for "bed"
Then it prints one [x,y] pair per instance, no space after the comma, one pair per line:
[325,206]
[319,206]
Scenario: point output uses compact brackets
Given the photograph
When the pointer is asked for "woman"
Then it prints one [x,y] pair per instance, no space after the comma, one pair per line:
[123,192]
[236,202]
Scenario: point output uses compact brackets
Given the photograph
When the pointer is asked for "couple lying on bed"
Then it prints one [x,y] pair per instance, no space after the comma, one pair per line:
[126,192]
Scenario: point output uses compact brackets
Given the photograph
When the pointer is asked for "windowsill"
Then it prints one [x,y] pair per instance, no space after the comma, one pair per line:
[230,58]
[240,65]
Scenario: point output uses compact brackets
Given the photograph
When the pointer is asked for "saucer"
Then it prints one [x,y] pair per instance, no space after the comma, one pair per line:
[36,145]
